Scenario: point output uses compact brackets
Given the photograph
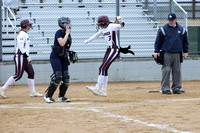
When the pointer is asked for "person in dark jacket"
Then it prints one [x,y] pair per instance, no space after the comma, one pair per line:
[171,41]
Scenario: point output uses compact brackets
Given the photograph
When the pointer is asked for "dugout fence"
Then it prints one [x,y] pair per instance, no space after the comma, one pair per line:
[140,31]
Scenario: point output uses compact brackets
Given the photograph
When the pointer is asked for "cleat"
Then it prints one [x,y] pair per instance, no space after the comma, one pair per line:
[35,94]
[2,93]
[63,99]
[182,91]
[166,92]
[102,93]
[49,99]
[93,89]
[176,91]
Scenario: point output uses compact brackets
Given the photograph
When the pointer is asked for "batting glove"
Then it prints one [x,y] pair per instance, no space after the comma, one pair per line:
[29,60]
[86,41]
[119,18]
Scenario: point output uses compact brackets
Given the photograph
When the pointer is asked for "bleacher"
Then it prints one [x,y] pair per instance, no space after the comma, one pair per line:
[139,31]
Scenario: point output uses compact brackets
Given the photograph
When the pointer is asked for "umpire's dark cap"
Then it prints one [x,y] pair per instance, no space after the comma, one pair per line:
[171,16]
[24,23]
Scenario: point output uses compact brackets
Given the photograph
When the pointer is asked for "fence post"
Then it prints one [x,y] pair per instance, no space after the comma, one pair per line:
[155,10]
[117,14]
[1,31]
[172,7]
[198,36]
[193,9]
[146,4]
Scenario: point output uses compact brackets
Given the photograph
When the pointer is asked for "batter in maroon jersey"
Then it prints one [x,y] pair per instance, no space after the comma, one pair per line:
[108,30]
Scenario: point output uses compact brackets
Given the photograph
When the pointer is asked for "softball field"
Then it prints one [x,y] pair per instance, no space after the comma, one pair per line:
[128,108]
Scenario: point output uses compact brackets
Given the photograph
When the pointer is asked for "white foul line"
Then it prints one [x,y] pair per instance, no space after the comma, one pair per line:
[96,109]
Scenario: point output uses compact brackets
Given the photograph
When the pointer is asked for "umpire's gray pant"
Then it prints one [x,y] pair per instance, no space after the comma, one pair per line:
[171,64]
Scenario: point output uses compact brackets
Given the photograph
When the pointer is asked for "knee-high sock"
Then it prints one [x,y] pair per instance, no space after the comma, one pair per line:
[9,82]
[31,85]
[105,82]
[99,81]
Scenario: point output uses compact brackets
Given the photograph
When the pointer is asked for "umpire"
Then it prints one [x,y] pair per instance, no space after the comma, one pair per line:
[173,42]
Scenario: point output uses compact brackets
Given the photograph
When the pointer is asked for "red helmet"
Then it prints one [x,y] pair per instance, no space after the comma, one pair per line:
[24,23]
[103,20]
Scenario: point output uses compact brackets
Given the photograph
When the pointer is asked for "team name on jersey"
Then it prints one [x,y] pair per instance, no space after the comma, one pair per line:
[107,33]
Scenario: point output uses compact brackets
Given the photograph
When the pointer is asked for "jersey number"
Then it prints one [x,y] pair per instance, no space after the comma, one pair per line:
[109,38]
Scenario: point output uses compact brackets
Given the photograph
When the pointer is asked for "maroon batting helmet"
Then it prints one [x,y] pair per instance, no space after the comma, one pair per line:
[24,23]
[103,20]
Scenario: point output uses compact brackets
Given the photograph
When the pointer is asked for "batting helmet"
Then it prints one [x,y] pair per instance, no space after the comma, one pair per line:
[103,20]
[63,20]
[24,23]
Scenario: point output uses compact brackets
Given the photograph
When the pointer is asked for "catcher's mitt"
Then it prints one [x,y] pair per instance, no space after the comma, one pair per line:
[73,56]
[126,50]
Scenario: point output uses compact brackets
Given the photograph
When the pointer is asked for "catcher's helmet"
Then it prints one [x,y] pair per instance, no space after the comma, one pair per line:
[24,23]
[63,20]
[103,20]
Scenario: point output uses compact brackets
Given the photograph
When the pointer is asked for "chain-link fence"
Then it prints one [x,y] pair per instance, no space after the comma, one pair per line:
[141,19]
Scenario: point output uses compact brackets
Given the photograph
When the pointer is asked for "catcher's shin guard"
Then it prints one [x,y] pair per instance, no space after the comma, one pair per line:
[55,80]
[51,89]
[63,89]
[64,85]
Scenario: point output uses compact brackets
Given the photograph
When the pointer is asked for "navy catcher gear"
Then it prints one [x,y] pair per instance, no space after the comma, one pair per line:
[73,56]
[64,84]
[66,76]
[63,20]
[55,80]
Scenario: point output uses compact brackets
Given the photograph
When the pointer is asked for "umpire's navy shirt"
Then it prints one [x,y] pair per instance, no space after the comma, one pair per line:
[173,41]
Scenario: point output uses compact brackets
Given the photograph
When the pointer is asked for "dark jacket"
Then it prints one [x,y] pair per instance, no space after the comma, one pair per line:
[171,39]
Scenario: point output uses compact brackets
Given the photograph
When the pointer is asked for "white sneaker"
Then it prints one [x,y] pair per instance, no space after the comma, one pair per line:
[2,93]
[93,89]
[49,99]
[35,94]
[102,93]
[63,99]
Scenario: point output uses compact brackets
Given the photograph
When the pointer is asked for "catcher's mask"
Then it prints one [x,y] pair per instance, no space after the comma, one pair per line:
[103,21]
[24,23]
[62,21]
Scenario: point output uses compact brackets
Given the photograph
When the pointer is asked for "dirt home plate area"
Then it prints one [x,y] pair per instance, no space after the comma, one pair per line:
[128,108]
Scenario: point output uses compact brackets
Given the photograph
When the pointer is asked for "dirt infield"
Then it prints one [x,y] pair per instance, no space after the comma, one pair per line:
[128,108]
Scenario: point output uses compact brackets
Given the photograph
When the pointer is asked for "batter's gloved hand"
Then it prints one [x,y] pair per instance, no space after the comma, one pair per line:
[119,18]
[86,41]
[29,60]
